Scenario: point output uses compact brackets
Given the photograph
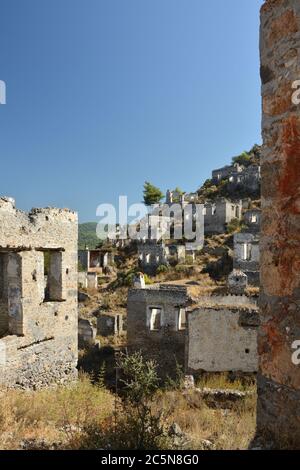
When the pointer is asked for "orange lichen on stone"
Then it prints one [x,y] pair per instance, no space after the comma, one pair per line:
[282,26]
[280,266]
[279,102]
[289,184]
[270,4]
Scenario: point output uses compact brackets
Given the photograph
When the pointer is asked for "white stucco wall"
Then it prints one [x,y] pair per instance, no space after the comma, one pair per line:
[217,341]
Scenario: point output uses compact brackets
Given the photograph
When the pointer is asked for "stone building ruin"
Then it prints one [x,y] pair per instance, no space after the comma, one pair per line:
[152,254]
[239,177]
[110,324]
[156,322]
[219,213]
[38,296]
[252,218]
[95,260]
[237,282]
[246,255]
[219,335]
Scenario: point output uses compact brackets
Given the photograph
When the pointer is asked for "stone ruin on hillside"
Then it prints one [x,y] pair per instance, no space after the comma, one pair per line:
[38,296]
[220,335]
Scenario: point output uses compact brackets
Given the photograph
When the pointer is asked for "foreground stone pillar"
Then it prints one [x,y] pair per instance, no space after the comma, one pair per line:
[278,415]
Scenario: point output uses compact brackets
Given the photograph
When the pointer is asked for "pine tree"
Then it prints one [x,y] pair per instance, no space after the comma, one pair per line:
[152,194]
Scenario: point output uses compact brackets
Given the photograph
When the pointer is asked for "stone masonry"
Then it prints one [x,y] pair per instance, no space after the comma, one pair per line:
[153,254]
[246,255]
[219,213]
[156,325]
[239,178]
[38,313]
[110,324]
[278,413]
[95,260]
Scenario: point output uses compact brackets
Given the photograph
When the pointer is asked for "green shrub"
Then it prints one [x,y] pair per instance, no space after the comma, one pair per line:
[243,159]
[136,424]
[233,226]
[147,279]
[162,268]
[189,259]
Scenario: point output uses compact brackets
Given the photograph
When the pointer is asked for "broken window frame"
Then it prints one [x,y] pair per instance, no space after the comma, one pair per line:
[54,288]
[151,323]
[181,326]
[246,251]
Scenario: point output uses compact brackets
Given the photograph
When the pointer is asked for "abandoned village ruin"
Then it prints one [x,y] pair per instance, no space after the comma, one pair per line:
[38,313]
[227,330]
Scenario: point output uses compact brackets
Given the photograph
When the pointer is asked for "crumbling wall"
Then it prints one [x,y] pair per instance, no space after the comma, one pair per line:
[86,332]
[226,172]
[165,344]
[110,324]
[246,255]
[219,213]
[278,412]
[247,181]
[39,345]
[151,255]
[252,220]
[222,339]
[237,282]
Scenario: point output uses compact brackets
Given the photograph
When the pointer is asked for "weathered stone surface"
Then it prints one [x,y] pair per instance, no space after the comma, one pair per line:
[164,341]
[219,213]
[38,336]
[110,324]
[86,332]
[221,398]
[279,378]
[222,339]
[237,282]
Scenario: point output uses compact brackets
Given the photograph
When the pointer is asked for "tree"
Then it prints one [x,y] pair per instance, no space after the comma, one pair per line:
[243,159]
[152,194]
[178,191]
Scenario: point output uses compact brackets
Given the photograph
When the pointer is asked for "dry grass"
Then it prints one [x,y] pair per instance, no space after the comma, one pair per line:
[59,418]
[222,381]
[113,340]
[52,415]
[227,429]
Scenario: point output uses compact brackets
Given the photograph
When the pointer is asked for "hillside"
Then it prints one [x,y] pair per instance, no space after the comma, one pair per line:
[211,190]
[87,235]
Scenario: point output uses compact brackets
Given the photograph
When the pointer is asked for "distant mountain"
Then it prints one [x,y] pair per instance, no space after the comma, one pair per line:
[87,235]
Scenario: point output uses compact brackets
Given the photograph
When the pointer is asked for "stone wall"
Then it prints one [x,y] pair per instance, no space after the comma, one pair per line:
[252,219]
[279,377]
[152,255]
[110,324]
[222,339]
[218,214]
[86,332]
[95,260]
[166,343]
[247,181]
[39,342]
[226,172]
[237,282]
[231,300]
[246,255]
[88,280]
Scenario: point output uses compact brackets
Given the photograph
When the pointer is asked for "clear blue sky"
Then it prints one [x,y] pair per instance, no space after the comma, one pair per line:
[105,94]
